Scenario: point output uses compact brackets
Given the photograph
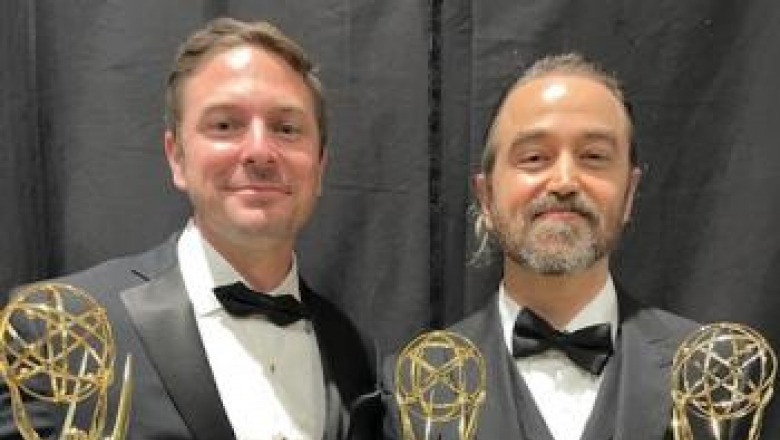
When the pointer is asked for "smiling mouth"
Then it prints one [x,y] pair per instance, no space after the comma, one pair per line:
[264,186]
[560,214]
[263,189]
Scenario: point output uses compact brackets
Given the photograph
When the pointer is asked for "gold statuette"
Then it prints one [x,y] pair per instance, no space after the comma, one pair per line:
[439,387]
[722,380]
[56,348]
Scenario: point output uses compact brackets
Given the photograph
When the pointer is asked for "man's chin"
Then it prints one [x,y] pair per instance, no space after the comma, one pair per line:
[259,223]
[555,246]
[268,229]
[558,260]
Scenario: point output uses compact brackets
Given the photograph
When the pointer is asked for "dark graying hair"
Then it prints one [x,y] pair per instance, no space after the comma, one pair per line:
[564,64]
[222,34]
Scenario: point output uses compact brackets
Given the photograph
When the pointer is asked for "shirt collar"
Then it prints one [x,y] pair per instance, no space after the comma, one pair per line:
[204,268]
[603,308]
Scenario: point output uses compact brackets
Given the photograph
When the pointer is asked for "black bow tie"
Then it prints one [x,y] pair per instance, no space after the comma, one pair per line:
[241,301]
[589,347]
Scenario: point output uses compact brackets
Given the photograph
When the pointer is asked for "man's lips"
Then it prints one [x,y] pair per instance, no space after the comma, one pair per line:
[560,214]
[264,188]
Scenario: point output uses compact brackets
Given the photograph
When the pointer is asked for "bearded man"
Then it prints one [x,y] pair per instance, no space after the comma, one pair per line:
[569,354]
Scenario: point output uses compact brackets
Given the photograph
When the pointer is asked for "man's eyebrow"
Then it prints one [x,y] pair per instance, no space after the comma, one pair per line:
[232,108]
[288,109]
[525,137]
[218,107]
[532,136]
[601,135]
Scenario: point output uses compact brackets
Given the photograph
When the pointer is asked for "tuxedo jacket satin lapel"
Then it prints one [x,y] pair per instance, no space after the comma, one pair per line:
[165,322]
[634,401]
[175,396]
[648,338]
[353,408]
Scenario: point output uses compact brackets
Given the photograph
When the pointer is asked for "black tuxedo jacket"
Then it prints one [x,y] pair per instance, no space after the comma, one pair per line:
[634,400]
[175,395]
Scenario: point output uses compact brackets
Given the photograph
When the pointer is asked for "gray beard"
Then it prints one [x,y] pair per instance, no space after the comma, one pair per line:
[570,248]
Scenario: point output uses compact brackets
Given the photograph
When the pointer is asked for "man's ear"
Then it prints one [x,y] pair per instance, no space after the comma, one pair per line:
[633,184]
[482,190]
[175,157]
[323,166]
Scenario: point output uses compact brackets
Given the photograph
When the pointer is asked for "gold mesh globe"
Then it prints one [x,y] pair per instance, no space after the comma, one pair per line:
[56,343]
[440,376]
[724,371]
[722,379]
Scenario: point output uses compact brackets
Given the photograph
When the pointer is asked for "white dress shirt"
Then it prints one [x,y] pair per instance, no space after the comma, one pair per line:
[563,392]
[269,378]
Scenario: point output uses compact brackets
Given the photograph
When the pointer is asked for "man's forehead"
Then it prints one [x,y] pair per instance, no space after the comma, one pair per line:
[238,57]
[241,73]
[561,93]
[554,88]
[232,59]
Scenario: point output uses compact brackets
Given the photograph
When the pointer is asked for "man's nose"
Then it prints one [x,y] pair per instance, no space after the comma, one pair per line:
[564,178]
[259,145]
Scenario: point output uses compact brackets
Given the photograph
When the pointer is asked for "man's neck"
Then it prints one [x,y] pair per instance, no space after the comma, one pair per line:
[264,264]
[559,298]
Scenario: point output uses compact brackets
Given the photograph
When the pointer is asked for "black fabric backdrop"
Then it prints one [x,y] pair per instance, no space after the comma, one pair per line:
[411,84]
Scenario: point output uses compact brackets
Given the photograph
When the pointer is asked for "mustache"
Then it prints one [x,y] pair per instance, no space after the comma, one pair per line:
[573,203]
[266,175]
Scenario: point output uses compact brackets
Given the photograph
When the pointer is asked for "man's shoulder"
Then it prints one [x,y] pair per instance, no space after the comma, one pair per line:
[486,315]
[631,304]
[117,274]
[673,320]
[655,321]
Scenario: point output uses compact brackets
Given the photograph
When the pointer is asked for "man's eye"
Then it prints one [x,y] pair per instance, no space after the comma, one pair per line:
[288,129]
[531,161]
[225,125]
[595,157]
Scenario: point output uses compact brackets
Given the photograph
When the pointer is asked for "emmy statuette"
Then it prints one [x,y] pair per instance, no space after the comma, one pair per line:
[439,387]
[722,379]
[57,349]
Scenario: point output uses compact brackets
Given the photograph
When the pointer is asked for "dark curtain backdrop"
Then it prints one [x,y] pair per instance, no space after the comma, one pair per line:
[411,84]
